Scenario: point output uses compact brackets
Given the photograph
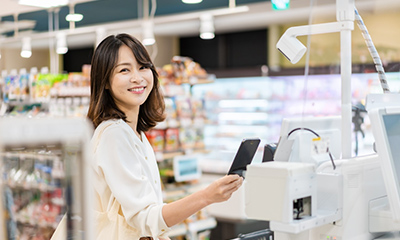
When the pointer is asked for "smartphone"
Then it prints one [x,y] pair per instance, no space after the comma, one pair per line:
[244,156]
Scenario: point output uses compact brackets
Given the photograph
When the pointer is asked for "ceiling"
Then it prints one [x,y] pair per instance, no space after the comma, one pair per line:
[106,11]
[172,17]
[96,13]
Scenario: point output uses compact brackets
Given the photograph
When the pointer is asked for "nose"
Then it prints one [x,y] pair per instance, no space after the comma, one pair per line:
[136,77]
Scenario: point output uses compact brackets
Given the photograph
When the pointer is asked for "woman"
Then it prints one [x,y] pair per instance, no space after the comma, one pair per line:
[126,102]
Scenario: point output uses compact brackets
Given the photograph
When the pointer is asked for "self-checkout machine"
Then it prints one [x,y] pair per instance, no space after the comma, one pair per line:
[308,192]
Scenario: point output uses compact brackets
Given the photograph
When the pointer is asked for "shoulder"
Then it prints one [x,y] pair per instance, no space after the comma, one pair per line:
[109,122]
[113,127]
[111,133]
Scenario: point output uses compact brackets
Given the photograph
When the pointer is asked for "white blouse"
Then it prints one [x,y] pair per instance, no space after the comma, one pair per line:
[127,184]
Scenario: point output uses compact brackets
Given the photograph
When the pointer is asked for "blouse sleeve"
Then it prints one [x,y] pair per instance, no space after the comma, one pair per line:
[119,160]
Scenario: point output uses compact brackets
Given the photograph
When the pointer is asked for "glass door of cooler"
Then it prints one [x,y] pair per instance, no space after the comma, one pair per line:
[44,182]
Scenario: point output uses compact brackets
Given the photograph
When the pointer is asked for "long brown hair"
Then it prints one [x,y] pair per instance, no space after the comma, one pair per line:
[102,105]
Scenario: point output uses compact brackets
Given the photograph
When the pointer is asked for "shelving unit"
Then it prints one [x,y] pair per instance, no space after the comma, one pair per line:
[45,178]
[61,95]
[182,131]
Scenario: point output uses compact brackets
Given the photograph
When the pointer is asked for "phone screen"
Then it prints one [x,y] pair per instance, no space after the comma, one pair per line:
[244,156]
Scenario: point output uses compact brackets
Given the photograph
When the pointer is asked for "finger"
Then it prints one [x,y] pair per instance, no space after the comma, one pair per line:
[234,185]
[233,177]
[237,181]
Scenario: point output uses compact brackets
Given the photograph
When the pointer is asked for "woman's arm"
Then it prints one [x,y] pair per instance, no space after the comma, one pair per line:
[218,191]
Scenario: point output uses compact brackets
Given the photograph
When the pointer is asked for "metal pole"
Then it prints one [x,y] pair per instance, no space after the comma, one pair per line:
[345,13]
[346,69]
[53,55]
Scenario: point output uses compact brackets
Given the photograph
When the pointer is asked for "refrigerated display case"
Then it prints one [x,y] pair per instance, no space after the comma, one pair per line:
[45,178]
[248,107]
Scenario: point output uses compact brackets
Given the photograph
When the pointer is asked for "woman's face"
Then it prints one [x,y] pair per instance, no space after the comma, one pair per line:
[130,82]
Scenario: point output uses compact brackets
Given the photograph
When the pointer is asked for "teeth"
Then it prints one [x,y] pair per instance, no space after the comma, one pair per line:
[136,89]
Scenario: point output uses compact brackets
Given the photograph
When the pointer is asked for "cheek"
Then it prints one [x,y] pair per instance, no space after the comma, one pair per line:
[118,83]
[150,80]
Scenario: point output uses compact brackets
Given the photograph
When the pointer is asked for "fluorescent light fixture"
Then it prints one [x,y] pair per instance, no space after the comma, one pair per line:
[26,51]
[207,26]
[241,103]
[242,116]
[192,1]
[148,34]
[74,17]
[61,44]
[43,3]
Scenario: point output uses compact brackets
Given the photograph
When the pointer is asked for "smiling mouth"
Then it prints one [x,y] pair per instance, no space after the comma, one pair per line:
[136,90]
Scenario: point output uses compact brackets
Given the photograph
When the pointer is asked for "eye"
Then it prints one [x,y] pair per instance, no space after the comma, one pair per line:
[144,67]
[124,70]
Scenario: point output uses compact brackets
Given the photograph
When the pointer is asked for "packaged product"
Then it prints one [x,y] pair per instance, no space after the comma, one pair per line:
[187,137]
[183,107]
[156,138]
[170,112]
[171,139]
[24,87]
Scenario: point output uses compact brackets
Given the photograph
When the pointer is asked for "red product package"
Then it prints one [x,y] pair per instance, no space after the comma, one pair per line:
[172,139]
[156,138]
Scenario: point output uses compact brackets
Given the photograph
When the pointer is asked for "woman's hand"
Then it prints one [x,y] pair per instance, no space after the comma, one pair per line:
[218,191]
[222,189]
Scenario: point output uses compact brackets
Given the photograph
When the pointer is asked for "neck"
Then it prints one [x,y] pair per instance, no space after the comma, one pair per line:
[132,119]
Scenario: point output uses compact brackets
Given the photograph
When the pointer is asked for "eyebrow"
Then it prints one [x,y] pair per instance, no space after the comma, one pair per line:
[120,64]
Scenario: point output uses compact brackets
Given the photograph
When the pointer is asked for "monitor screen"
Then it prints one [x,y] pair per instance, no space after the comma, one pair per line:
[385,124]
[392,127]
[186,168]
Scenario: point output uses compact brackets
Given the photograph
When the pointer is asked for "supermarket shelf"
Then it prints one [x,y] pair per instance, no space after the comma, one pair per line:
[195,81]
[273,99]
[25,187]
[64,92]
[23,220]
[71,96]
[27,103]
[160,156]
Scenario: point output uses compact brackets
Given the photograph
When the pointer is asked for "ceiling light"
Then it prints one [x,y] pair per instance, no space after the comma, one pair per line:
[26,51]
[207,26]
[44,3]
[148,34]
[192,1]
[74,17]
[61,44]
[280,4]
